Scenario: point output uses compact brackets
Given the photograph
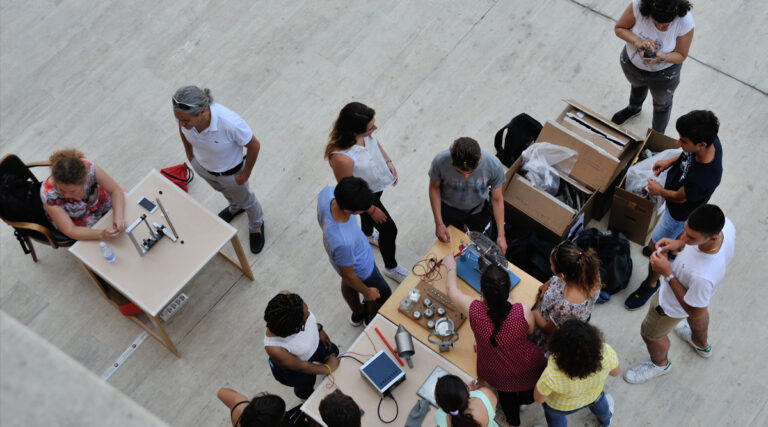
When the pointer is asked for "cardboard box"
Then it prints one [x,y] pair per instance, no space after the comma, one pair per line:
[632,214]
[593,127]
[585,179]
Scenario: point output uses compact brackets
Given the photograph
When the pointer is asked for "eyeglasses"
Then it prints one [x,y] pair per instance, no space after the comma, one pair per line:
[182,106]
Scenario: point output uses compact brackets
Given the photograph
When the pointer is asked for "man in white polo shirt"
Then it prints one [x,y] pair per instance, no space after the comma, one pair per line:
[706,247]
[213,138]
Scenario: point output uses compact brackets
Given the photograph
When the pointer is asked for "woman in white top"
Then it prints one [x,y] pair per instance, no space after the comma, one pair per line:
[353,150]
[658,35]
[297,346]
[462,406]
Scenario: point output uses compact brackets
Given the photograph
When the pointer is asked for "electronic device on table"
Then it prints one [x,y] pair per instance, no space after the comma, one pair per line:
[154,234]
[480,253]
[382,373]
[427,390]
[426,305]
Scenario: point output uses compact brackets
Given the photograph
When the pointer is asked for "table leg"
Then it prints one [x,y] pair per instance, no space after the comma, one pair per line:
[160,335]
[242,265]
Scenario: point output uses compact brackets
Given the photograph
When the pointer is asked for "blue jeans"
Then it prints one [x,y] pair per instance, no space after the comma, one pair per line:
[303,384]
[599,407]
[662,85]
[667,227]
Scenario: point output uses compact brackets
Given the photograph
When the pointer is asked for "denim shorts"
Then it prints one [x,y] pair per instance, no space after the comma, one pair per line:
[667,227]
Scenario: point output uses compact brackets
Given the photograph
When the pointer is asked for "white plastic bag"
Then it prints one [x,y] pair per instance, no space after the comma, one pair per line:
[639,174]
[540,160]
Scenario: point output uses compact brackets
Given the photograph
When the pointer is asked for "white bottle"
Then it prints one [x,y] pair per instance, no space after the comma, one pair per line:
[109,255]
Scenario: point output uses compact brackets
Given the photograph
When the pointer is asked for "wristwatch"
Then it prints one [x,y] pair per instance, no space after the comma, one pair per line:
[669,278]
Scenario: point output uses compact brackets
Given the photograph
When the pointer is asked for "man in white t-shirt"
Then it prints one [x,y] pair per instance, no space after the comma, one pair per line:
[213,138]
[705,247]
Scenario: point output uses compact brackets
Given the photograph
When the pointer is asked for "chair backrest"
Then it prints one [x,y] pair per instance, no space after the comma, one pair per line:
[20,193]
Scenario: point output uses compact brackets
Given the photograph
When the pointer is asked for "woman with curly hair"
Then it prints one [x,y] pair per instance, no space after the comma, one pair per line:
[570,293]
[354,150]
[579,363]
[658,35]
[506,359]
[298,347]
[78,193]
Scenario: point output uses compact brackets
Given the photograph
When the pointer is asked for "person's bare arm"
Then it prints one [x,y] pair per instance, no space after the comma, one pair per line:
[680,54]
[390,164]
[441,231]
[538,397]
[623,30]
[341,165]
[350,278]
[288,361]
[497,202]
[116,194]
[461,300]
[65,225]
[529,316]
[615,371]
[491,396]
[230,398]
[251,154]
[674,196]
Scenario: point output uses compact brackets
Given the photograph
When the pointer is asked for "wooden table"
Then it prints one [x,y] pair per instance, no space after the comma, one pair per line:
[347,378]
[463,352]
[153,280]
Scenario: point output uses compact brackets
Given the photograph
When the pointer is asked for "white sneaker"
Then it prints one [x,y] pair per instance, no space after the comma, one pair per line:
[398,274]
[645,371]
[374,238]
[684,331]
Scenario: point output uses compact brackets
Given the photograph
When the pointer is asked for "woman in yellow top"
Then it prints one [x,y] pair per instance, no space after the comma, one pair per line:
[574,378]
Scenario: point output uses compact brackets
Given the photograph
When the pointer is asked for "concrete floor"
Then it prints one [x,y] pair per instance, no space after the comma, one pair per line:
[98,76]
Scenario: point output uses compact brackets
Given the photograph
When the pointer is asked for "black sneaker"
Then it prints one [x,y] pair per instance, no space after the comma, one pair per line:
[641,295]
[256,239]
[357,319]
[623,115]
[228,216]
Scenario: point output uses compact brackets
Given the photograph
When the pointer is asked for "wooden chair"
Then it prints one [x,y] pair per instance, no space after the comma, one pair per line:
[18,185]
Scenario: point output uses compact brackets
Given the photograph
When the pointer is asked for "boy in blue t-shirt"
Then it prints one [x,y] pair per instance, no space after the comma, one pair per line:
[348,249]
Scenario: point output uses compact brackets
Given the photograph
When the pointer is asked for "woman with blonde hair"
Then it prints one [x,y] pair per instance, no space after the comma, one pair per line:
[78,193]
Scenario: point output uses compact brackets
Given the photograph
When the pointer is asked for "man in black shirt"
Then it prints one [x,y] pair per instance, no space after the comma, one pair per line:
[691,180]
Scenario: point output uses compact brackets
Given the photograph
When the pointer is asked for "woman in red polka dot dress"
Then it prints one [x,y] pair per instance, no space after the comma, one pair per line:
[511,363]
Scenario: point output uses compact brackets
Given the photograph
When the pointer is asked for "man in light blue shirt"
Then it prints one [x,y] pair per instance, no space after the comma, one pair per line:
[348,249]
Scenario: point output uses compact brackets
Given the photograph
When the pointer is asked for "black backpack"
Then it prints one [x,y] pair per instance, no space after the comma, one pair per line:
[20,200]
[528,251]
[615,261]
[521,132]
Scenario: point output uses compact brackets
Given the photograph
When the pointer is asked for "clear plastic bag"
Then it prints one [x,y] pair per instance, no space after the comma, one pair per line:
[541,162]
[639,174]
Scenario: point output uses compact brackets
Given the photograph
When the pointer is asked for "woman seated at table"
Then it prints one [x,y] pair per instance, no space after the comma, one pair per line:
[460,407]
[297,346]
[264,410]
[511,363]
[77,194]
[570,294]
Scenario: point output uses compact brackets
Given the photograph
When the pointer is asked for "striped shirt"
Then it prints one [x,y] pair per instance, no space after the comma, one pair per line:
[566,393]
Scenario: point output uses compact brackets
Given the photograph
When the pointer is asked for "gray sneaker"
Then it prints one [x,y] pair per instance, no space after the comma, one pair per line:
[684,331]
[374,238]
[398,274]
[646,371]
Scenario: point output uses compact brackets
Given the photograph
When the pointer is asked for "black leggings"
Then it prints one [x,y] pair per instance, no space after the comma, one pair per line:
[387,232]
[510,403]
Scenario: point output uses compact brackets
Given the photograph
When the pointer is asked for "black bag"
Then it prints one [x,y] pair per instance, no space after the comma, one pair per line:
[528,251]
[20,200]
[521,131]
[615,261]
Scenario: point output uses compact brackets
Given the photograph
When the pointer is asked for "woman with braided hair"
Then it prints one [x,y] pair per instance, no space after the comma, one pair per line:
[460,405]
[298,347]
[264,410]
[570,293]
[511,363]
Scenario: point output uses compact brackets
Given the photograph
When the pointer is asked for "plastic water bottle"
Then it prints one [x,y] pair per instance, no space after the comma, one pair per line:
[109,255]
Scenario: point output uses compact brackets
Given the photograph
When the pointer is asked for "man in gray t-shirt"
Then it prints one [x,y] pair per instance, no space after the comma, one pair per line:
[459,183]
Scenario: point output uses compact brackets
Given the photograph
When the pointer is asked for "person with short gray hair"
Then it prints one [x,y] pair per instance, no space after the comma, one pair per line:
[213,137]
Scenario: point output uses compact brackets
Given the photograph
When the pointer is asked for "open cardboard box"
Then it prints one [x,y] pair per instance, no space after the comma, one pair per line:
[592,167]
[612,138]
[632,214]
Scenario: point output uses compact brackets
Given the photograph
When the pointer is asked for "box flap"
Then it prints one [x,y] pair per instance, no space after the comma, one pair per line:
[539,205]
[619,129]
[657,142]
[594,167]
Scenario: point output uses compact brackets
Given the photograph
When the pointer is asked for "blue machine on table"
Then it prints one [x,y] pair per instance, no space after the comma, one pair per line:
[468,266]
